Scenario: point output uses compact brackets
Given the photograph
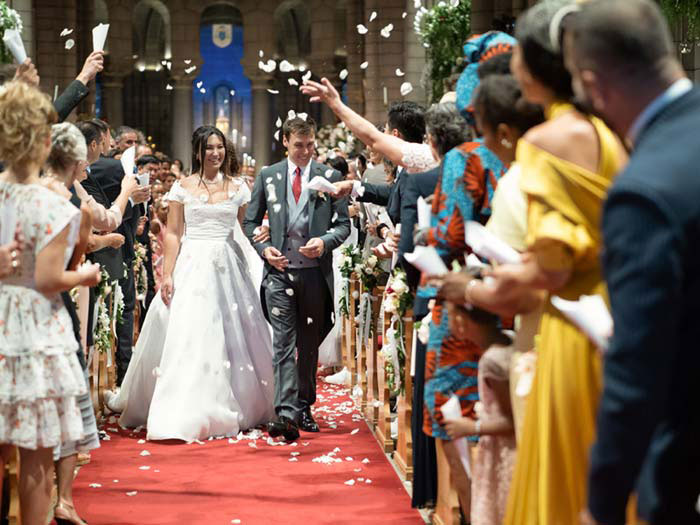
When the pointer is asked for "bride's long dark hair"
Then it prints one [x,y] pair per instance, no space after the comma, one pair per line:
[200,137]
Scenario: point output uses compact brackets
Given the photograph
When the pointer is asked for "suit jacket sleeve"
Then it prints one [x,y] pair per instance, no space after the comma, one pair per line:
[409,218]
[340,227]
[376,193]
[644,272]
[70,98]
[257,207]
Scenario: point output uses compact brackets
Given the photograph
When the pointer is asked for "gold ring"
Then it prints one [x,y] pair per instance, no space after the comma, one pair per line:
[15,264]
[13,254]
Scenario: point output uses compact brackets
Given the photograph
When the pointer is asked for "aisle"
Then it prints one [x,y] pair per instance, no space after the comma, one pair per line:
[248,481]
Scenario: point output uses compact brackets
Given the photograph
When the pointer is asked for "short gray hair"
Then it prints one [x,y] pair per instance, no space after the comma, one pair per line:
[628,38]
[67,146]
[447,126]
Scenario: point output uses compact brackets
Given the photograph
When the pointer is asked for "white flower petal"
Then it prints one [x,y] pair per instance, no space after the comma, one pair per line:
[289,292]
[199,84]
[202,91]
[406,88]
[307,76]
[404,14]
[132,493]
[141,441]
[293,459]
[354,432]
[372,16]
[357,470]
[292,82]
[277,135]
[190,69]
[70,43]
[365,461]
[286,67]
[350,482]
[261,53]
[368,481]
[386,30]
[232,92]
[66,32]
[273,91]
[187,62]
[275,311]
[364,65]
[95,485]
[362,29]
[277,207]
[168,87]
[145,453]
[343,74]
[399,73]
[145,467]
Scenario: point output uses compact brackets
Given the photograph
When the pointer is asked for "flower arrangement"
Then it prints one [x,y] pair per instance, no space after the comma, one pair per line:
[443,29]
[9,19]
[350,262]
[140,274]
[107,292]
[687,13]
[370,273]
[331,137]
[397,301]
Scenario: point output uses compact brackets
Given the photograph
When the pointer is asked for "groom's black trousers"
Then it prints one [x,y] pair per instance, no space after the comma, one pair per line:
[296,304]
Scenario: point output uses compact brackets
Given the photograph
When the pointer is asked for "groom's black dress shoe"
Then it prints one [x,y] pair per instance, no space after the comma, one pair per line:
[307,423]
[285,427]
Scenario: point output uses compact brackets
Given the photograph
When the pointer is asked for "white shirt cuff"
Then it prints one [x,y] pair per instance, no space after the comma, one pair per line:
[358,190]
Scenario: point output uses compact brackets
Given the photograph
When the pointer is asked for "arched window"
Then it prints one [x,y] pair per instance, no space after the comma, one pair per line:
[293,28]
[151,34]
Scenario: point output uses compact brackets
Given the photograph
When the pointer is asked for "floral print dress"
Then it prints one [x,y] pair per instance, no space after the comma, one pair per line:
[40,375]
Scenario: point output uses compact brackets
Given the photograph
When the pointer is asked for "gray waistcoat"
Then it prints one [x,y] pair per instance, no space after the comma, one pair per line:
[297,229]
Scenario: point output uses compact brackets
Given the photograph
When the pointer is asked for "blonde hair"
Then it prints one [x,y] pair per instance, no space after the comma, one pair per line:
[67,146]
[26,115]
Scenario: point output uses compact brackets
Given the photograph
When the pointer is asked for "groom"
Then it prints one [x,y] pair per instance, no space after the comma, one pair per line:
[297,287]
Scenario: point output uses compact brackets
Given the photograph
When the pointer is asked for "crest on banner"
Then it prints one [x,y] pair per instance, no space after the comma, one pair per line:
[222,34]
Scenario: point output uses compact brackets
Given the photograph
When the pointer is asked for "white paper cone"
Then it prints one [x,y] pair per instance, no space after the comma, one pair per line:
[486,244]
[319,183]
[99,37]
[128,160]
[591,315]
[427,260]
[424,212]
[13,41]
[453,410]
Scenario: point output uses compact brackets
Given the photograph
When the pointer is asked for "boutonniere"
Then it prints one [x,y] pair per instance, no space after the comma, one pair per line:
[321,195]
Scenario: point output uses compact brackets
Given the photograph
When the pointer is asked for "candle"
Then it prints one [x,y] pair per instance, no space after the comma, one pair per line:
[234,136]
[252,162]
[244,139]
[386,97]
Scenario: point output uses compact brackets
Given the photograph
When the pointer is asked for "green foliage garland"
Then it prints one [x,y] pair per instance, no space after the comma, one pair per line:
[686,12]
[443,29]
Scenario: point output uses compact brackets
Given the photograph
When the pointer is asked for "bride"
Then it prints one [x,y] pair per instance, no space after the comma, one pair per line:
[202,366]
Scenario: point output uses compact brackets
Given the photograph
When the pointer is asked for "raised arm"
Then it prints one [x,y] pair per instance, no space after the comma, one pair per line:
[388,145]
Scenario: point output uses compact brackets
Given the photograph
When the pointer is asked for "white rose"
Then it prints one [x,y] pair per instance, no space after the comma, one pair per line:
[368,270]
[390,305]
[372,261]
[342,259]
[358,268]
[399,286]
[424,332]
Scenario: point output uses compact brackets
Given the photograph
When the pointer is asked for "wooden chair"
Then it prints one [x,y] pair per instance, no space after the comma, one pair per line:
[404,444]
[382,432]
[371,411]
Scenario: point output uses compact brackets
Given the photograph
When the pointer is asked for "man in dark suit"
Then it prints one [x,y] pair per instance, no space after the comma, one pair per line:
[622,59]
[105,181]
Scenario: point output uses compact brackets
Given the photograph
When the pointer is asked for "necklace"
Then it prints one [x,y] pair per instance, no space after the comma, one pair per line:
[219,177]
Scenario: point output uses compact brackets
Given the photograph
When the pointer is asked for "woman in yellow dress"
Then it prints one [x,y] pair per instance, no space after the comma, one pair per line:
[567,164]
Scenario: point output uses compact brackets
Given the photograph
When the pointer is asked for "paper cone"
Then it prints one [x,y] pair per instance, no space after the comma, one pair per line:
[591,315]
[487,245]
[452,409]
[99,37]
[128,160]
[319,183]
[13,41]
[427,260]
[424,212]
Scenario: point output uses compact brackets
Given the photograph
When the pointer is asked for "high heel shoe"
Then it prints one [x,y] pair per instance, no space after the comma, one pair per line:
[70,515]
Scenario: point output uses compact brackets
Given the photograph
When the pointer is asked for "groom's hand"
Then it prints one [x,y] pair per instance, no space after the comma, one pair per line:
[343,188]
[261,234]
[275,258]
[313,249]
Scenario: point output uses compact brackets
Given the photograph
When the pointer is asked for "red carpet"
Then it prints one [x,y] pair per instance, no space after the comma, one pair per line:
[219,482]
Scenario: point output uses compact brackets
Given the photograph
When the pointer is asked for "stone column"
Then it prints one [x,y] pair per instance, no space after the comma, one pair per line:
[113,99]
[181,119]
[356,51]
[414,57]
[262,123]
[322,59]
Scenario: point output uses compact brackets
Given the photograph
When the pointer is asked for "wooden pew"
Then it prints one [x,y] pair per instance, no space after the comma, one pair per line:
[11,477]
[382,432]
[371,411]
[447,510]
[363,349]
[404,446]
[350,326]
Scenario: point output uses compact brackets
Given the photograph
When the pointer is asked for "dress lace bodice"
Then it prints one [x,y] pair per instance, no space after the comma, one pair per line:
[210,221]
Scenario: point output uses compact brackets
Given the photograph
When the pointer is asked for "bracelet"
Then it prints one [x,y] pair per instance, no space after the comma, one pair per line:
[477,426]
[468,291]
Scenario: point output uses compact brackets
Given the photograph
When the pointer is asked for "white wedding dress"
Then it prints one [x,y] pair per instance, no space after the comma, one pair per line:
[203,366]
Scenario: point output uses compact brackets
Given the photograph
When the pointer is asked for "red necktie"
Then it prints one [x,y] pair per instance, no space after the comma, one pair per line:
[296,185]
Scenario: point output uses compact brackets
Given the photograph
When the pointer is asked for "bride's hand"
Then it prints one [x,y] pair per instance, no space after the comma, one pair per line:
[167,289]
[324,92]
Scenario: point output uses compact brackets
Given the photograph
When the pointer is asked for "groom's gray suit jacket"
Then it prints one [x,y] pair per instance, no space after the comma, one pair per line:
[328,220]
